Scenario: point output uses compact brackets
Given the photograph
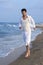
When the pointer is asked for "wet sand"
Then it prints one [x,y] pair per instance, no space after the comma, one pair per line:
[36,57]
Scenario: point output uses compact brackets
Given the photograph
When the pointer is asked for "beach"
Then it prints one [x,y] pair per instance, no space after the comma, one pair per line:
[12,46]
[36,57]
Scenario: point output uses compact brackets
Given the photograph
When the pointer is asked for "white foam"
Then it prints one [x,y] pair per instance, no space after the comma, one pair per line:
[11,25]
[14,25]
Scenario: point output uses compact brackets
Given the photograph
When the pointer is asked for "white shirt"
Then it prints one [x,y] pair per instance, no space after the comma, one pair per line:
[27,24]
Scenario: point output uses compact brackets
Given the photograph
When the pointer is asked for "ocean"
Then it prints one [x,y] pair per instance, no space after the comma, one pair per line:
[11,37]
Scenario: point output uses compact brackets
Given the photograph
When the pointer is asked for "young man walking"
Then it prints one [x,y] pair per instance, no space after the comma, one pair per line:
[26,24]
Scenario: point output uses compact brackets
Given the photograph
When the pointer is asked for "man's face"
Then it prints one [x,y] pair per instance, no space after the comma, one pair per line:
[24,13]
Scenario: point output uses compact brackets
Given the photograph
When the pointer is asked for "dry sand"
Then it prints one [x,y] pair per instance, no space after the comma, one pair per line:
[36,57]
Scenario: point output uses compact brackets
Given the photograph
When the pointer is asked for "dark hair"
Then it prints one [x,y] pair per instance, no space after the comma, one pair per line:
[23,10]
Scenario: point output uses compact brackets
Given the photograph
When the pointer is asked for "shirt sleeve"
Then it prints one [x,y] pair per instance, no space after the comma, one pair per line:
[32,22]
[20,23]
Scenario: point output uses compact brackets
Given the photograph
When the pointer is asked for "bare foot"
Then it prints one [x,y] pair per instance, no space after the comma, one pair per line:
[27,55]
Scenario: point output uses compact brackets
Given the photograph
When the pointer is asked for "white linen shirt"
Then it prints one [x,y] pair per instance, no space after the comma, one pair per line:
[27,24]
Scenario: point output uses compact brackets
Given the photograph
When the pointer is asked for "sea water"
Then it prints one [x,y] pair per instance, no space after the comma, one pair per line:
[11,37]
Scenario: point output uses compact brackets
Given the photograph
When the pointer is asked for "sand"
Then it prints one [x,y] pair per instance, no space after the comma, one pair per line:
[36,57]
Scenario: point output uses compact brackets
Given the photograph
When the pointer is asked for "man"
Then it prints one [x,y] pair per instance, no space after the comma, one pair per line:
[26,24]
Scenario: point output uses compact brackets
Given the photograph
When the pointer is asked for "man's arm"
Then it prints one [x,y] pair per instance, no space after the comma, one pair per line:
[32,23]
[20,25]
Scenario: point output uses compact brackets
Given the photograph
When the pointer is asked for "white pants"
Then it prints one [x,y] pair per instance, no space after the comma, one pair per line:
[27,37]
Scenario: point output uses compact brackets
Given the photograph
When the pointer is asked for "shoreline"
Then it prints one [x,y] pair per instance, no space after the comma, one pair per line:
[36,57]
[39,25]
[14,55]
[20,46]
[4,55]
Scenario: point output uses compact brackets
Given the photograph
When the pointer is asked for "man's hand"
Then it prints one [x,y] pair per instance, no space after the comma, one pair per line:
[20,27]
[34,28]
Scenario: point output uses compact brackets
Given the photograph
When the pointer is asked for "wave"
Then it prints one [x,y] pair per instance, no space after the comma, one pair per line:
[14,26]
[8,25]
[6,54]
[11,25]
[8,43]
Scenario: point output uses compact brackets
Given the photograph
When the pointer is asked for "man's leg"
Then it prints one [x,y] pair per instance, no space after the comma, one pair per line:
[27,51]
[27,38]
